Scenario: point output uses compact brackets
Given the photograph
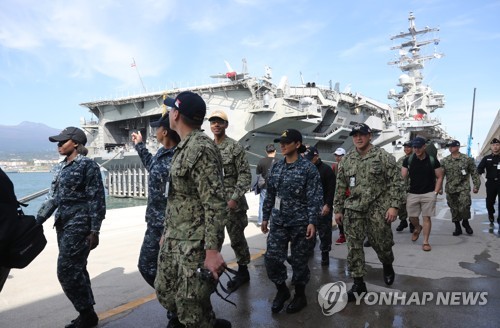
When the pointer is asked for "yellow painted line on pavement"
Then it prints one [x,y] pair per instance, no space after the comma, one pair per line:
[127,306]
[138,302]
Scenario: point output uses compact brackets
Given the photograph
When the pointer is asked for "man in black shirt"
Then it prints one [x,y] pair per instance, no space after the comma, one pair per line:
[326,217]
[491,165]
[426,179]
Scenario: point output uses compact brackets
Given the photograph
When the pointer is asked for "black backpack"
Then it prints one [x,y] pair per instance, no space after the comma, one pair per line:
[26,242]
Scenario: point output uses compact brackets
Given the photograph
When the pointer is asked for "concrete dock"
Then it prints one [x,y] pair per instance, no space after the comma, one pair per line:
[32,297]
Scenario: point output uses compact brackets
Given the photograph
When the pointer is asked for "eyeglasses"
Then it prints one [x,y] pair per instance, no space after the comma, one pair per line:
[61,143]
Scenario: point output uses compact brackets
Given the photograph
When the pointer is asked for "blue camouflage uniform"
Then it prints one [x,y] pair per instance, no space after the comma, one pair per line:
[299,189]
[158,167]
[77,193]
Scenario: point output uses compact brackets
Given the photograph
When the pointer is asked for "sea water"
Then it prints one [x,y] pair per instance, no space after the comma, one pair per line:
[29,183]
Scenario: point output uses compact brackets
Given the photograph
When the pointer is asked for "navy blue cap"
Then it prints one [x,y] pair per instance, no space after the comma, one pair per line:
[163,121]
[289,135]
[310,152]
[188,104]
[418,142]
[453,143]
[407,143]
[72,133]
[360,128]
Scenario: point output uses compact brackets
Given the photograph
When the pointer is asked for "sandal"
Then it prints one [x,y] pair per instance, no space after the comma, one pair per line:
[426,247]
[416,233]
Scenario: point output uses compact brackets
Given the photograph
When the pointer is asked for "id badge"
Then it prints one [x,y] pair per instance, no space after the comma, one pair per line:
[463,172]
[352,182]
[277,203]
[167,186]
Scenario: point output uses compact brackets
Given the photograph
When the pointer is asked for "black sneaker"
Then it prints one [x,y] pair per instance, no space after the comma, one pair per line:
[279,301]
[402,225]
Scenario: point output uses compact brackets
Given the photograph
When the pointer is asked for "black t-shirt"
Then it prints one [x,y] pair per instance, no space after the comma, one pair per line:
[263,167]
[421,173]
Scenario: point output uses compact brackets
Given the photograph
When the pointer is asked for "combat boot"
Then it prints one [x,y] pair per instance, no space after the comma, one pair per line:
[222,323]
[175,323]
[389,274]
[466,225]
[458,229]
[281,296]
[402,225]
[87,319]
[241,278]
[325,258]
[357,288]
[299,300]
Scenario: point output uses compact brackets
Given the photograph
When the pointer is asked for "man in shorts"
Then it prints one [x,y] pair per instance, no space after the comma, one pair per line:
[426,180]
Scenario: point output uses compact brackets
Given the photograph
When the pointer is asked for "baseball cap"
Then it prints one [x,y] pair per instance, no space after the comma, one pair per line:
[270,148]
[163,121]
[72,133]
[310,152]
[418,142]
[189,104]
[494,141]
[289,135]
[407,143]
[360,128]
[453,143]
[218,114]
[339,152]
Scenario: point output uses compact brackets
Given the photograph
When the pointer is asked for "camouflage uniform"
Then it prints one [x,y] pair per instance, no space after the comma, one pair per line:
[298,186]
[237,181]
[158,167]
[77,193]
[194,222]
[402,213]
[375,185]
[458,172]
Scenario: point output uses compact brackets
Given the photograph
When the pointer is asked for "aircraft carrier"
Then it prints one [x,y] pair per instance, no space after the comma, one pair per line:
[260,109]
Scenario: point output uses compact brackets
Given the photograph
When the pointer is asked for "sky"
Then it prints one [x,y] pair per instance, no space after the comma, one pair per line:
[55,55]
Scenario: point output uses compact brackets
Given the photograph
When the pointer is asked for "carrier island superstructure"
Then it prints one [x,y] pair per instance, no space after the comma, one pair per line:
[259,110]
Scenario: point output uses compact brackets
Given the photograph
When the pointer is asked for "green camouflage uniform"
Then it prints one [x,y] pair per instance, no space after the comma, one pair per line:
[375,185]
[458,172]
[195,215]
[237,181]
[402,213]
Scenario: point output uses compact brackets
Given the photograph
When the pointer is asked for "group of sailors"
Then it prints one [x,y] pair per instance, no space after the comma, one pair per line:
[197,189]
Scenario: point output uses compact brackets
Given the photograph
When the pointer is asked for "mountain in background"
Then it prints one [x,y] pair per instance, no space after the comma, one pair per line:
[26,139]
